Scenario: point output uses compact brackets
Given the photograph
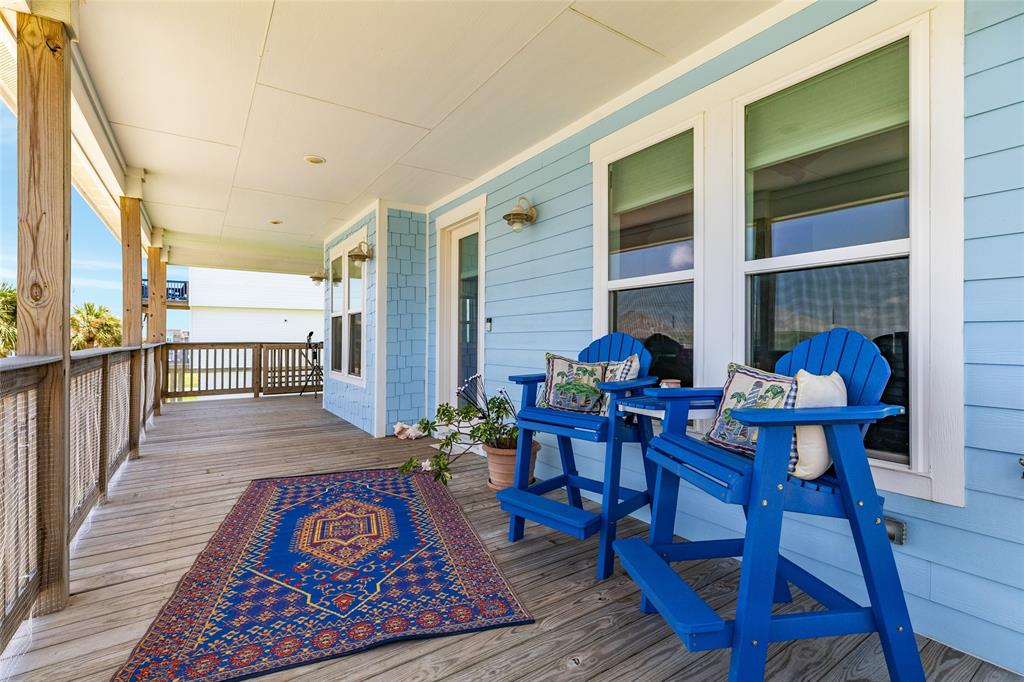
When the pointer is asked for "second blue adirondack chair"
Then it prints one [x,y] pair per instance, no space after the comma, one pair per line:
[765,490]
[524,501]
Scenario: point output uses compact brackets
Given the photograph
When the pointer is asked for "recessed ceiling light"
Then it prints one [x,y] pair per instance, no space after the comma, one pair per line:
[275,221]
[314,159]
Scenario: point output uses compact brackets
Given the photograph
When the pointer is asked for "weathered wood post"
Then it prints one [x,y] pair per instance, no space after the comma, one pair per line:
[44,275]
[131,317]
[157,326]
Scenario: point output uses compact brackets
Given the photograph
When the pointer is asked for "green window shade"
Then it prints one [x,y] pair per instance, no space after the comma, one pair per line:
[868,95]
[654,174]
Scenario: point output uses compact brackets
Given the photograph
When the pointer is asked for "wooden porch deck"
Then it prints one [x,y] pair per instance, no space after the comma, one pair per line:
[199,456]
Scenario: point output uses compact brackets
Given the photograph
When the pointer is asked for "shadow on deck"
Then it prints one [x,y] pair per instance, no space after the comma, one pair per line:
[199,456]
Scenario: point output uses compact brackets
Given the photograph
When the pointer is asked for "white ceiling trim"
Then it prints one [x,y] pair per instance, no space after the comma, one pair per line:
[743,32]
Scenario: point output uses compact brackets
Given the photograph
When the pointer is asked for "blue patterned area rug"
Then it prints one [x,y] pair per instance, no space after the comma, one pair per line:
[313,567]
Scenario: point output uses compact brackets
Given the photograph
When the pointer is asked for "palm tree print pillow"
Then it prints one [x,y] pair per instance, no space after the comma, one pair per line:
[572,385]
[748,387]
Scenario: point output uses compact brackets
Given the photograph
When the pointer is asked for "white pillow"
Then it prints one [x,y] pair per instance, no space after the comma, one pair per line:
[813,390]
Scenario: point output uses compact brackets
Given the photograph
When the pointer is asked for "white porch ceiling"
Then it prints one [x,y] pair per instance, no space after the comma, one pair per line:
[220,100]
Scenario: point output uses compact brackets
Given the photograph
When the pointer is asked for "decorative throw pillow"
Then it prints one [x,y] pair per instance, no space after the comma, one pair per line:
[620,370]
[812,390]
[572,385]
[748,387]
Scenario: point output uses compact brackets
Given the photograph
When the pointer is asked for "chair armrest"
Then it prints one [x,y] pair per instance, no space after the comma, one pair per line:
[685,393]
[629,385]
[814,416]
[527,378]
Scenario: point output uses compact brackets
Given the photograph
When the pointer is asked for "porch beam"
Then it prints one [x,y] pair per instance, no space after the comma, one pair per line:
[131,312]
[44,275]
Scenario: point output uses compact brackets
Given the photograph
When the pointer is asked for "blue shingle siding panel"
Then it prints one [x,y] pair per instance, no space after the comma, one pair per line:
[353,403]
[962,566]
[406,317]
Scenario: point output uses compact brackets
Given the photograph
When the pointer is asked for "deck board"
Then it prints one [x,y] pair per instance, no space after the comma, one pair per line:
[199,456]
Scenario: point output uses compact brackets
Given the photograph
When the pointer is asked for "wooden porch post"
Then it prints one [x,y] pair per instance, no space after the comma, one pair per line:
[157,317]
[157,324]
[131,318]
[44,275]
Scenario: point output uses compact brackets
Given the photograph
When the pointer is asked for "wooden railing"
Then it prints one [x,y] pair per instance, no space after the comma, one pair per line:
[208,369]
[40,500]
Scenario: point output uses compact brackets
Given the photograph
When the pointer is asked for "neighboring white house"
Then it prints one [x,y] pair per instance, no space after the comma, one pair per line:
[235,305]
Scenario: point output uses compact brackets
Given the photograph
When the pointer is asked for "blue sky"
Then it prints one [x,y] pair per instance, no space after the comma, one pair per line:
[95,253]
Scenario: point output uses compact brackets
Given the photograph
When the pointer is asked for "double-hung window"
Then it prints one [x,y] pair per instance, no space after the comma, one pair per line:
[818,187]
[650,252]
[348,298]
[827,196]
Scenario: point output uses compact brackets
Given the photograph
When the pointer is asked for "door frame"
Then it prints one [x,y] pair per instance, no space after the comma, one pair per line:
[452,226]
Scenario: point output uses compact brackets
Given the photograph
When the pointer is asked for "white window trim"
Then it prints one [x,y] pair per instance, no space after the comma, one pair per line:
[446,223]
[341,250]
[936,232]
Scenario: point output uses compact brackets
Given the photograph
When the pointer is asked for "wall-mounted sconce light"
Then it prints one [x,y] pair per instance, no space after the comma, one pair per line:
[361,252]
[523,213]
[319,276]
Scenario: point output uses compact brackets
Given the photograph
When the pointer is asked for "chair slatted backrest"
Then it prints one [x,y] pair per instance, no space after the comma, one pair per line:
[857,359]
[617,346]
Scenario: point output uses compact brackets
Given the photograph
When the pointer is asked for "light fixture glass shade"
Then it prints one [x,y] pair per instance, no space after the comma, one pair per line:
[523,213]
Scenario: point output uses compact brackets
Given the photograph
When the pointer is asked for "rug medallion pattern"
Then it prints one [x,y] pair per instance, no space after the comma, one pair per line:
[313,567]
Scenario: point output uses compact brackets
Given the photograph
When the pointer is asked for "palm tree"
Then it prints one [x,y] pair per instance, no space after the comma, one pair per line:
[8,319]
[93,326]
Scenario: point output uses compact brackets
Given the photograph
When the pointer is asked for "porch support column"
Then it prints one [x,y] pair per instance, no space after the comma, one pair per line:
[44,276]
[157,324]
[157,305]
[131,317]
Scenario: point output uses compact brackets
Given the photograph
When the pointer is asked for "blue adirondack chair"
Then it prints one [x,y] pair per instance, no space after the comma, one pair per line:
[524,501]
[764,489]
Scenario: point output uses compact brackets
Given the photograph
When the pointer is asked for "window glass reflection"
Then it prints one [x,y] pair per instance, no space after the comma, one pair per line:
[662,318]
[872,298]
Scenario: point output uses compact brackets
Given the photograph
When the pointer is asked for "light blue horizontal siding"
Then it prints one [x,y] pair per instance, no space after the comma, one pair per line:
[539,297]
[994,343]
[979,14]
[994,214]
[994,257]
[994,300]
[996,172]
[995,45]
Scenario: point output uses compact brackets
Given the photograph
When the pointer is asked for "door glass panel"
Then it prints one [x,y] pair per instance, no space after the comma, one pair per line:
[661,317]
[468,304]
[871,298]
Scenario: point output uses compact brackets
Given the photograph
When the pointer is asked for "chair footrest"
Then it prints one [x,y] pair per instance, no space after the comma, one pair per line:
[683,609]
[562,517]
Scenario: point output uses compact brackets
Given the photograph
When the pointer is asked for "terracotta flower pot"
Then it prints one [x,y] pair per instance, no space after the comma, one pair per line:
[501,466]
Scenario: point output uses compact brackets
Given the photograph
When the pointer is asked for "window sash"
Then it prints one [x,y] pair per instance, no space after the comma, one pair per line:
[658,172]
[830,109]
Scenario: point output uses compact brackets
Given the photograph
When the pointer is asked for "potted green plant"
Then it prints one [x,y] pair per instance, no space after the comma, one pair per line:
[479,421]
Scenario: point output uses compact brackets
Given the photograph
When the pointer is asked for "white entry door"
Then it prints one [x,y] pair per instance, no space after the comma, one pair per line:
[461,318]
